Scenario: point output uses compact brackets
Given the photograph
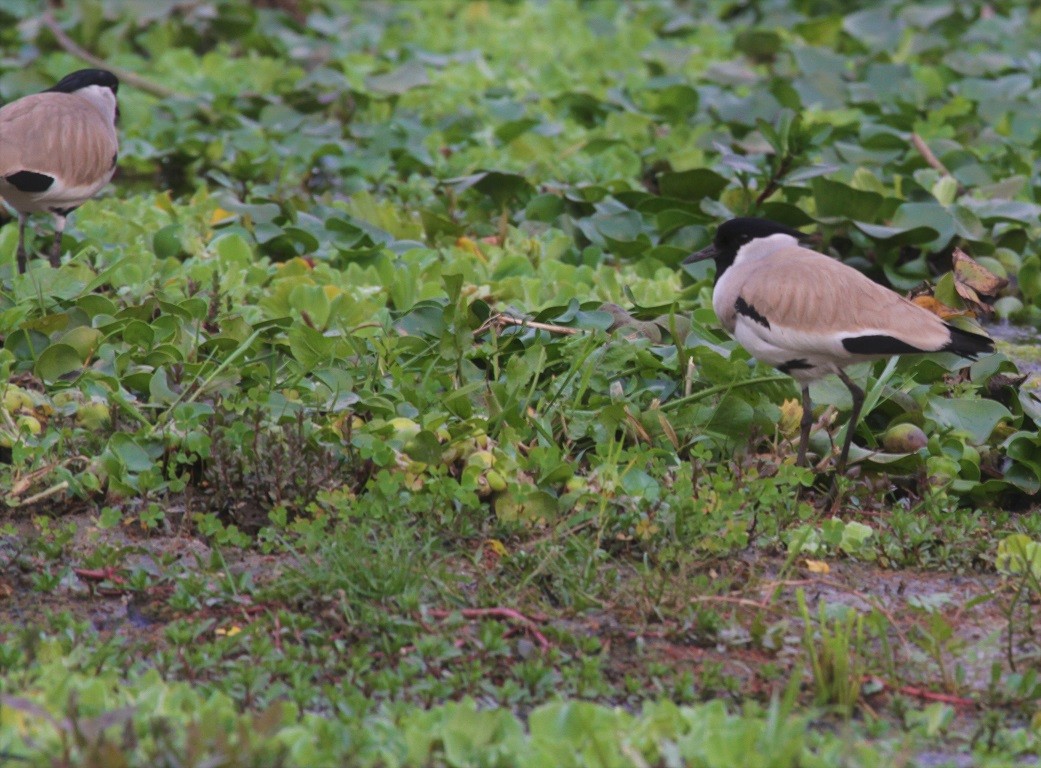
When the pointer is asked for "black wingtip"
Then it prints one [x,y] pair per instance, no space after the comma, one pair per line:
[967,344]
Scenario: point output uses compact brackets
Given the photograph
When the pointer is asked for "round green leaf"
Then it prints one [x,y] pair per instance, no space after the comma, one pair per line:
[56,361]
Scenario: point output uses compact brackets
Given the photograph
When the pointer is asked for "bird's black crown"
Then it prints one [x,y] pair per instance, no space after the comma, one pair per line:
[84,78]
[734,233]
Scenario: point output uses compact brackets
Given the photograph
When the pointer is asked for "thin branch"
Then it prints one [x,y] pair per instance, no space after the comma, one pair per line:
[501,320]
[741,601]
[921,693]
[932,160]
[54,489]
[775,179]
[125,75]
[498,613]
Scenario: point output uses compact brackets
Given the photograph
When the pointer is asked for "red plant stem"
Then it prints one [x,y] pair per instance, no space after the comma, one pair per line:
[498,613]
[922,693]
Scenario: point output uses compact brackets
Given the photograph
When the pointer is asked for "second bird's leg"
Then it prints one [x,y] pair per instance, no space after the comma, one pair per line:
[59,229]
[804,426]
[854,416]
[20,254]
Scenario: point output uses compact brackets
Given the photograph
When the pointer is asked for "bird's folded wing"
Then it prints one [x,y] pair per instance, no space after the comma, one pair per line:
[58,135]
[810,303]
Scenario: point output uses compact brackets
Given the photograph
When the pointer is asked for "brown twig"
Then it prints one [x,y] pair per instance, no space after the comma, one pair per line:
[501,319]
[932,160]
[741,601]
[22,484]
[775,180]
[276,632]
[497,613]
[922,693]
[125,75]
[47,492]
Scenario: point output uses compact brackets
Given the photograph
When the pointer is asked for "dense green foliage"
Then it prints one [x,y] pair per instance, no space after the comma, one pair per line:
[292,329]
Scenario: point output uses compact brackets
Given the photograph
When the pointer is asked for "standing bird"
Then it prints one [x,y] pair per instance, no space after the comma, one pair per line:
[58,148]
[809,315]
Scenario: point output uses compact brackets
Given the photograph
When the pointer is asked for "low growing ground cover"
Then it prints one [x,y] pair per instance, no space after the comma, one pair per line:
[372,419]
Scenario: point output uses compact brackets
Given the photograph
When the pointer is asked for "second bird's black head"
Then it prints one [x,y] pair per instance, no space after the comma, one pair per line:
[735,233]
[84,78]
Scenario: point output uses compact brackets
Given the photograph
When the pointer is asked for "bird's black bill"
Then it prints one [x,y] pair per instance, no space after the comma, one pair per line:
[708,252]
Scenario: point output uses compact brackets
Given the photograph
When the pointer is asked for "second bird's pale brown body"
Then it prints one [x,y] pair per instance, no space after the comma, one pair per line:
[39,132]
[58,149]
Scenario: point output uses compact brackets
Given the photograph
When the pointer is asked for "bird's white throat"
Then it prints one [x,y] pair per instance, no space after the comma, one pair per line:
[101,97]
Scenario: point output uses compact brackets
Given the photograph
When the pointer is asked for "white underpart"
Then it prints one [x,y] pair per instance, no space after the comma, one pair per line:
[778,345]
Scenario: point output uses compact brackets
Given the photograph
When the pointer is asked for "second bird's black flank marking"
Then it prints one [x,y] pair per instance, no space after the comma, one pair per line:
[749,311]
[878,344]
[29,181]
[794,365]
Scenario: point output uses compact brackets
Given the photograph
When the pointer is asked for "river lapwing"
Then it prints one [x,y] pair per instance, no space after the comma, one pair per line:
[58,148]
[809,315]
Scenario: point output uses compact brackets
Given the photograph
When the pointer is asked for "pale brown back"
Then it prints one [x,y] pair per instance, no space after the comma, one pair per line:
[808,291]
[44,131]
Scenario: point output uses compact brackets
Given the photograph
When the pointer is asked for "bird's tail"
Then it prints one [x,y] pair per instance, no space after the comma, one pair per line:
[967,343]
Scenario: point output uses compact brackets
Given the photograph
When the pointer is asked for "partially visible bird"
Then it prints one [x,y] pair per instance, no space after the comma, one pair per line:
[809,315]
[58,148]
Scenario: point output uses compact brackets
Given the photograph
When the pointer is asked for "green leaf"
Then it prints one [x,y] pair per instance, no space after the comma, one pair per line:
[501,187]
[83,339]
[1018,554]
[309,347]
[159,388]
[166,242]
[56,361]
[398,81]
[130,453]
[837,202]
[694,185]
[975,416]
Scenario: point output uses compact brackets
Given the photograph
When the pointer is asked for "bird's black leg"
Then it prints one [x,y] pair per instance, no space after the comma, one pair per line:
[23,219]
[858,403]
[804,425]
[59,230]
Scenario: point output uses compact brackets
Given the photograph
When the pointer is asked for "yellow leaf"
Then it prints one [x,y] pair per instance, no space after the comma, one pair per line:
[477,12]
[496,546]
[818,566]
[467,244]
[229,632]
[969,273]
[165,203]
[791,417]
[331,291]
[219,216]
[938,308]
